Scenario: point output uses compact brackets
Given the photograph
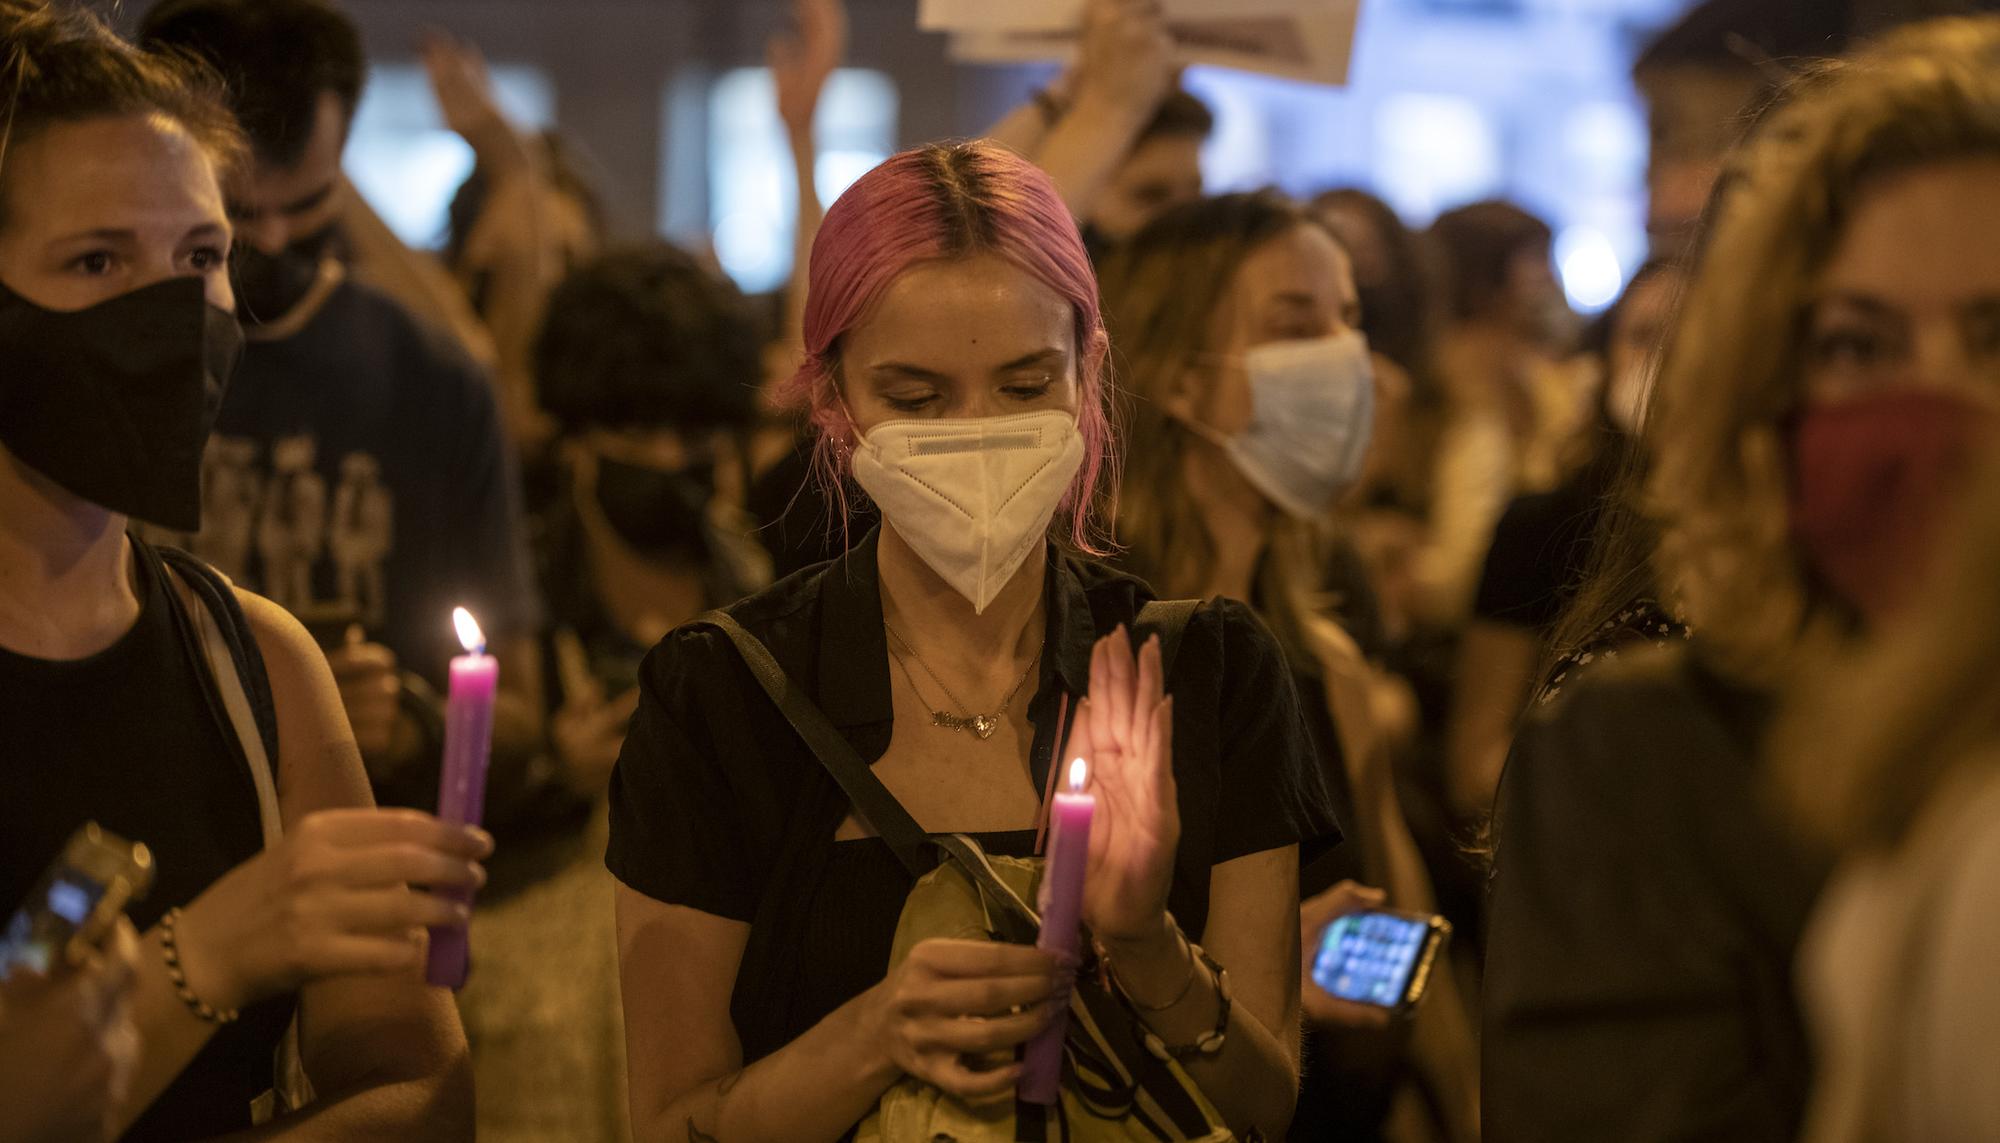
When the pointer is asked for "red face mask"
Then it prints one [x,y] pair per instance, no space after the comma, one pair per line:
[1873,479]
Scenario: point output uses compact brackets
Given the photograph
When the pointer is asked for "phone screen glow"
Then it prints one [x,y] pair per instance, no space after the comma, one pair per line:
[1368,957]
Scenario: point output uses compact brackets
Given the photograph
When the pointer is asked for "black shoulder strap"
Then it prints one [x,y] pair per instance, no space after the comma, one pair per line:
[219,597]
[884,813]
[1015,920]
[1167,618]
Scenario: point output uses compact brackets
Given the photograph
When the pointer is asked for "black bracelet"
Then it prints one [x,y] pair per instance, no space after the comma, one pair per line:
[171,950]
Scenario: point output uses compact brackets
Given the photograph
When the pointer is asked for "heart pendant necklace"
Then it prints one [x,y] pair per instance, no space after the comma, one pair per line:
[980,726]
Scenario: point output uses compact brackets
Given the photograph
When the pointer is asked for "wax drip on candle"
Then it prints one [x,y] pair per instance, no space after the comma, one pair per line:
[469,634]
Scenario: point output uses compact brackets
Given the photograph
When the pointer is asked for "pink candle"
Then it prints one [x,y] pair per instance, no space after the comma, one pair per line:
[1062,918]
[468,740]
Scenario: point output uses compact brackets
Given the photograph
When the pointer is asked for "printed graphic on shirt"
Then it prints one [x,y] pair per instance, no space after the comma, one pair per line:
[278,526]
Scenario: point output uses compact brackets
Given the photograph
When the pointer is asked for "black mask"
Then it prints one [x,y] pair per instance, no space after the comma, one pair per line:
[269,286]
[657,511]
[115,402]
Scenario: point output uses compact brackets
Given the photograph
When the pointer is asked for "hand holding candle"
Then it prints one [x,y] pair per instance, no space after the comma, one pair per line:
[468,741]
[1113,830]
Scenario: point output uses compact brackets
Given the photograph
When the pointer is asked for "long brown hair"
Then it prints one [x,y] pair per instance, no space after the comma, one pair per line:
[1731,377]
[1161,293]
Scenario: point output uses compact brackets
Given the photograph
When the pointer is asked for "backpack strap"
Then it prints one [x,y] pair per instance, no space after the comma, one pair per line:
[891,822]
[219,643]
[1013,919]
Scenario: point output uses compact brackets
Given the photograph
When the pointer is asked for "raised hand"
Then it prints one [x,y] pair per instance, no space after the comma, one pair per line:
[1124,733]
[464,94]
[1127,56]
[801,60]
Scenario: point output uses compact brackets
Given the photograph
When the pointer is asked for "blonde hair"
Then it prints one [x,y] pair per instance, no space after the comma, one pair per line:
[1732,374]
[1860,750]
[1161,293]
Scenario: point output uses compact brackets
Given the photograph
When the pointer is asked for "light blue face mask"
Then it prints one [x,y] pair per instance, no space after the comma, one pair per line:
[1312,409]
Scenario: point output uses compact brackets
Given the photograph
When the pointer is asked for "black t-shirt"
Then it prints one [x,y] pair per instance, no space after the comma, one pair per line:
[718,806]
[1540,552]
[1646,907]
[359,468]
[125,738]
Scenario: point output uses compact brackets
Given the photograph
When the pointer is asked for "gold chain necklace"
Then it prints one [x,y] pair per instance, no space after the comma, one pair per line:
[981,726]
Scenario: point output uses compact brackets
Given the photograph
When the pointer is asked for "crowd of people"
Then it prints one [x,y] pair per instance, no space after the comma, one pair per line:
[1655,655]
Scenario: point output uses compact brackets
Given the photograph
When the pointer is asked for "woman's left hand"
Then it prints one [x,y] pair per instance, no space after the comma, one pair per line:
[1124,733]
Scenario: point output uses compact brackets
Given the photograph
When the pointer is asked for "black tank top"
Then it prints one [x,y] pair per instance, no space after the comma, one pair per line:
[125,737]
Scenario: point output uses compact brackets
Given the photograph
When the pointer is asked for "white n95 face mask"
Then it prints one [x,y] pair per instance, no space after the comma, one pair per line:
[971,496]
[1312,409]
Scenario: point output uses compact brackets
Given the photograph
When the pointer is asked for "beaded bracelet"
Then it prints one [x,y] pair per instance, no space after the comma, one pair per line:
[171,950]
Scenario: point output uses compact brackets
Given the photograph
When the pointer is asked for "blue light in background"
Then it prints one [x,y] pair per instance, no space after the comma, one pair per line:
[407,163]
[752,204]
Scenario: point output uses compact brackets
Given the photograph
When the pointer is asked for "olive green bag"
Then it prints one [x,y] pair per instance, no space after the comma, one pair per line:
[1113,1089]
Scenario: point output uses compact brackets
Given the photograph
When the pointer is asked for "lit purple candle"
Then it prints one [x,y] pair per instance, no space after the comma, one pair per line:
[1062,917]
[468,740]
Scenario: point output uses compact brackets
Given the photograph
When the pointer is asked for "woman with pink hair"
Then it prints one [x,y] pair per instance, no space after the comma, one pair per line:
[955,372]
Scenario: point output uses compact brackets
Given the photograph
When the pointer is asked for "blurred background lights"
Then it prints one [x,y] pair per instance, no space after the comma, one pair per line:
[1591,275]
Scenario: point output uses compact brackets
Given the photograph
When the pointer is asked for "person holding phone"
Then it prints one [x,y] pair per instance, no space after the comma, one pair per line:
[955,368]
[281,891]
[1833,378]
[1250,397]
[68,1045]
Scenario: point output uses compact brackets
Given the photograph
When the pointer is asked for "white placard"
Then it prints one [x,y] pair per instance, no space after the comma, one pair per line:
[1063,15]
[1309,40]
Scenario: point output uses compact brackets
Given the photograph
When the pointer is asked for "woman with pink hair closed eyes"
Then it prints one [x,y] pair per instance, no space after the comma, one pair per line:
[955,373]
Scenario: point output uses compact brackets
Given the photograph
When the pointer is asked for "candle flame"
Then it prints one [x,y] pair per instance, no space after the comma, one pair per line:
[1078,772]
[468,631]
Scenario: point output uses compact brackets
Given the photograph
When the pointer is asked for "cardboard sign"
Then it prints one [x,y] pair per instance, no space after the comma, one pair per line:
[1309,40]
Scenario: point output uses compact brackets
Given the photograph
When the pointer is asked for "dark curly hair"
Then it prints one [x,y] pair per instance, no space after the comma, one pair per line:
[60,64]
[645,336]
[276,57]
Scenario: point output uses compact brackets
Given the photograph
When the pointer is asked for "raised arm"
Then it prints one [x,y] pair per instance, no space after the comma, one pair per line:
[1125,70]
[1125,730]
[800,64]
[519,239]
[1024,129]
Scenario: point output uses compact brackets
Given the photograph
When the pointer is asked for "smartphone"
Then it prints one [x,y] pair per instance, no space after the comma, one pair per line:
[1379,957]
[77,900]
